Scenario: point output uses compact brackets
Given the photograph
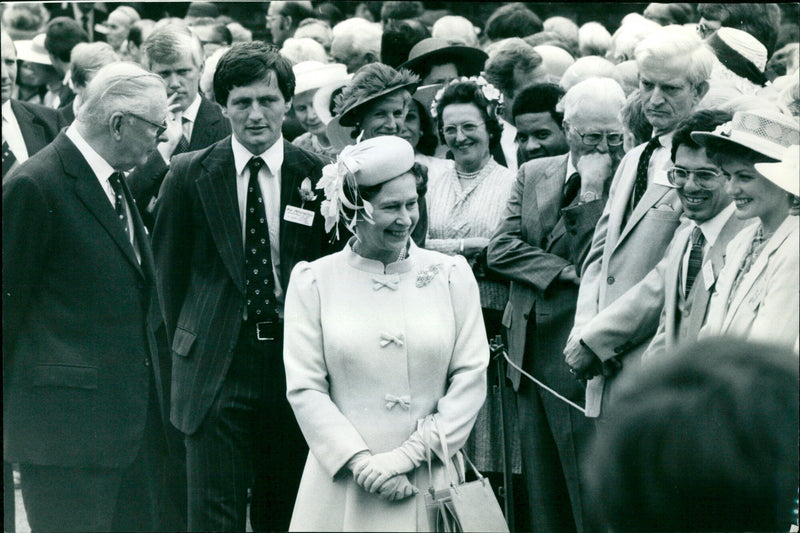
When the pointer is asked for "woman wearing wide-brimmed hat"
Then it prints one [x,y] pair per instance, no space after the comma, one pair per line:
[310,76]
[437,61]
[384,348]
[756,293]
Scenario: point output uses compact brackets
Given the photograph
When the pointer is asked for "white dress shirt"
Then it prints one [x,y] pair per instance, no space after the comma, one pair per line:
[102,171]
[508,142]
[12,134]
[190,117]
[269,180]
[711,229]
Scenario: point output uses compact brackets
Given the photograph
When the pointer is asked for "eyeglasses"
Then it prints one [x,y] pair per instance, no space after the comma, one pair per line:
[705,179]
[160,128]
[468,128]
[593,138]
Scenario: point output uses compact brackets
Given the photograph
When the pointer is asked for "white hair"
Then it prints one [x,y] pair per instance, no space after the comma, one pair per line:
[455,29]
[603,93]
[359,35]
[317,30]
[303,49]
[121,86]
[633,30]
[585,68]
[672,43]
[563,27]
[594,39]
[209,68]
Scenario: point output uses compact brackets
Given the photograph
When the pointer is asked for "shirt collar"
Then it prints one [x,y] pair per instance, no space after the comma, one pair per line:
[99,166]
[712,227]
[272,156]
[7,111]
[191,112]
[665,139]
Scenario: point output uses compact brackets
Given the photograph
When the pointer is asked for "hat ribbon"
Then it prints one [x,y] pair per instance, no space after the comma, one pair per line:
[736,62]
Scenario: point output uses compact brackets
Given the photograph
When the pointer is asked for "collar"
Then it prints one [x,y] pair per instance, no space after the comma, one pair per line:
[191,112]
[376,267]
[6,110]
[99,166]
[570,167]
[272,156]
[712,227]
[666,140]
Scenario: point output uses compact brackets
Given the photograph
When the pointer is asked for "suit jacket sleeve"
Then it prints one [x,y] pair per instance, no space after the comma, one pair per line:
[510,255]
[25,216]
[172,243]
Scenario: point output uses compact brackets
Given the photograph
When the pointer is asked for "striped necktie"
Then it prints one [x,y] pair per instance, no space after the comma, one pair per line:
[695,258]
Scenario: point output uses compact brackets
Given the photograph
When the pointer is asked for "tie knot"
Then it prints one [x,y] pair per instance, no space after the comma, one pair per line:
[115,180]
[653,143]
[697,235]
[256,163]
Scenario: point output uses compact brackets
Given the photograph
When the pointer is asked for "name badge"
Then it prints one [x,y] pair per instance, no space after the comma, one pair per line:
[298,215]
[708,275]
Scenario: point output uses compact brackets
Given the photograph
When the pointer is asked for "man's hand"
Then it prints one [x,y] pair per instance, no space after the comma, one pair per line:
[583,363]
[568,274]
[397,488]
[473,246]
[595,170]
[174,129]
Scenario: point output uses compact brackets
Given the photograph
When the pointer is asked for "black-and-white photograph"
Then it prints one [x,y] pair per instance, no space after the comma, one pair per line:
[446,266]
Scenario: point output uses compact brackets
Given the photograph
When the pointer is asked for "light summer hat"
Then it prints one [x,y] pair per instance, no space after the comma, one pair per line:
[312,75]
[764,131]
[786,173]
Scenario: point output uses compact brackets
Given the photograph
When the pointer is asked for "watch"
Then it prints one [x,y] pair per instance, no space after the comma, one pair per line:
[589,197]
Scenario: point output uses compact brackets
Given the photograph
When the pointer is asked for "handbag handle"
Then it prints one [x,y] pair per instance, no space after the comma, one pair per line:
[445,451]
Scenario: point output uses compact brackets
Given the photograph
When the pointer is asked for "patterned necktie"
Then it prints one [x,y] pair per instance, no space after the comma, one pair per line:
[695,258]
[258,264]
[119,202]
[8,158]
[640,185]
[571,189]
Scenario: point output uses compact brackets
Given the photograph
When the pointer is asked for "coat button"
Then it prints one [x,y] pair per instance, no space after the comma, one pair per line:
[146,361]
[610,280]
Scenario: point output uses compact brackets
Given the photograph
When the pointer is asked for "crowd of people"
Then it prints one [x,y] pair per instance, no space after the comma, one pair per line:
[257,274]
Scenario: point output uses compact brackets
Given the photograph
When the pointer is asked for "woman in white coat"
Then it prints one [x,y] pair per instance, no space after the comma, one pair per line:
[380,338]
[756,294]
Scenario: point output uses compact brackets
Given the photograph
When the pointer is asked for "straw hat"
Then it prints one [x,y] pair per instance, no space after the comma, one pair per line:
[432,51]
[356,95]
[764,131]
[786,173]
[33,51]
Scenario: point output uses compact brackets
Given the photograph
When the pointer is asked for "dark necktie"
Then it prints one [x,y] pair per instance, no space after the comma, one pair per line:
[119,202]
[8,158]
[640,185]
[258,264]
[571,189]
[183,143]
[695,258]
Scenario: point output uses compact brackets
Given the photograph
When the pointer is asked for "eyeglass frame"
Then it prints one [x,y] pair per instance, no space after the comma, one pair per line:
[605,136]
[700,183]
[160,128]
[461,127]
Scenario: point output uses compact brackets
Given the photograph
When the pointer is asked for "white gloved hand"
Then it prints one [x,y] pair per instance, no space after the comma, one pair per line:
[382,466]
[397,488]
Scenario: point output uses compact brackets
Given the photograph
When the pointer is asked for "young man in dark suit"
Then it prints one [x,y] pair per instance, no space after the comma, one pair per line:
[81,383]
[194,123]
[233,219]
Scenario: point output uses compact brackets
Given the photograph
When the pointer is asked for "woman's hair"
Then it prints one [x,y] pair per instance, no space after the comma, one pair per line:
[468,92]
[427,141]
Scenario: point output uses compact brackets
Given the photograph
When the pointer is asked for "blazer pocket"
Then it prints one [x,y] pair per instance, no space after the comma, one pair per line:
[77,377]
[183,341]
[663,213]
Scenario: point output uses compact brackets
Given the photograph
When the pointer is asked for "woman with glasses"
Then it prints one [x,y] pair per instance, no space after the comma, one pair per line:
[756,292]
[466,197]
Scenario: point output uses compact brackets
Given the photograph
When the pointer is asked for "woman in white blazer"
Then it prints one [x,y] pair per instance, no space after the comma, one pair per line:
[757,295]
[380,338]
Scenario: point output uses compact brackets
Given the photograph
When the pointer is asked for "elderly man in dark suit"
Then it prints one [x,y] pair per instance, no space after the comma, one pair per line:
[233,220]
[81,385]
[546,230]
[194,123]
[27,128]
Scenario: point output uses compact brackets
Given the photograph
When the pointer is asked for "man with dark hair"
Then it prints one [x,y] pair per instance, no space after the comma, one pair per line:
[392,12]
[512,20]
[62,34]
[539,132]
[176,55]
[231,225]
[283,18]
[704,440]
[673,298]
[762,21]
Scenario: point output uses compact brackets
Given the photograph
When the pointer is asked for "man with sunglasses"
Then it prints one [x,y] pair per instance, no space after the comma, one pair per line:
[546,228]
[82,387]
[672,299]
[643,210]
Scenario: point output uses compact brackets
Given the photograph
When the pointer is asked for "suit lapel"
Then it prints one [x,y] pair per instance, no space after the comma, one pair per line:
[204,132]
[142,238]
[216,188]
[757,268]
[33,132]
[653,194]
[548,193]
[90,192]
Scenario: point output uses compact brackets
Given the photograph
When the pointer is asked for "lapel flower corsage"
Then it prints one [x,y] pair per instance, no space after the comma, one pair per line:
[426,275]
[306,192]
